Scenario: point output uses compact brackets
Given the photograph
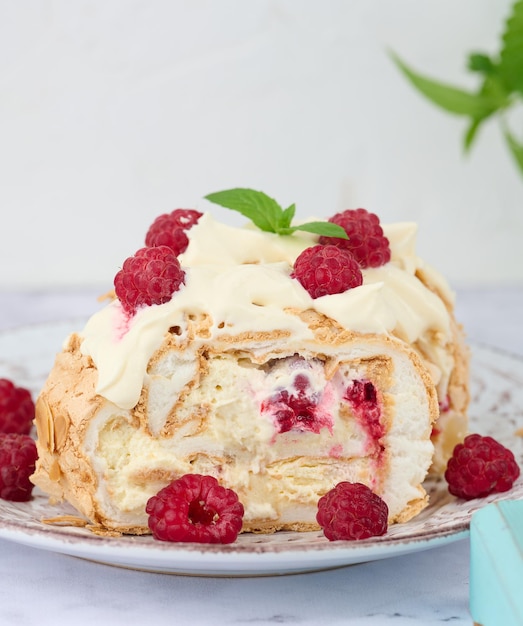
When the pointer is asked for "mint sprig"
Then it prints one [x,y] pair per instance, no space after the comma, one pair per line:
[268,215]
[500,89]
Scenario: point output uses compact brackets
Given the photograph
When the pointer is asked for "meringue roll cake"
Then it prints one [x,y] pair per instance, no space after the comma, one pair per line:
[243,375]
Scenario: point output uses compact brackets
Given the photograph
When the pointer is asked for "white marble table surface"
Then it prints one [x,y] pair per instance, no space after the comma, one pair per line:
[39,587]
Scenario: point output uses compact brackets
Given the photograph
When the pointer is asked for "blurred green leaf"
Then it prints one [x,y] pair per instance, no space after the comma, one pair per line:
[494,90]
[516,148]
[448,97]
[471,133]
[481,63]
[511,56]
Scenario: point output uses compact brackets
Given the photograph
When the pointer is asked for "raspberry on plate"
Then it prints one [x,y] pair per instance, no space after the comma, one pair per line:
[480,466]
[365,240]
[352,511]
[17,462]
[149,277]
[169,229]
[326,269]
[17,409]
[195,508]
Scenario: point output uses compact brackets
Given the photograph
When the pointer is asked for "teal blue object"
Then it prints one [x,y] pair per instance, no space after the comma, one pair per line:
[496,564]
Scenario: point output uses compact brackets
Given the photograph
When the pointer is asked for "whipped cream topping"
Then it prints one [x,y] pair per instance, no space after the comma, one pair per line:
[240,277]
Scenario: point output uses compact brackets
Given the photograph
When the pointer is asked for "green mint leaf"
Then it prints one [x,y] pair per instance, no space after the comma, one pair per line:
[516,148]
[268,215]
[447,97]
[511,56]
[263,211]
[327,229]
[287,216]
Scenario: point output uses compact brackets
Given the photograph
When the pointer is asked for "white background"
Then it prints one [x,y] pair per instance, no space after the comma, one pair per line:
[114,111]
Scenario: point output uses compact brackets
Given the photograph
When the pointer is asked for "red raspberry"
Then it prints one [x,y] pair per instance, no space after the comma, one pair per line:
[17,409]
[325,270]
[480,466]
[366,240]
[169,229]
[17,462]
[149,277]
[197,509]
[352,511]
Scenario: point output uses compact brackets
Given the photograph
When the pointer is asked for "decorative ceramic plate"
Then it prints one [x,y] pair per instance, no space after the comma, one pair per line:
[27,354]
